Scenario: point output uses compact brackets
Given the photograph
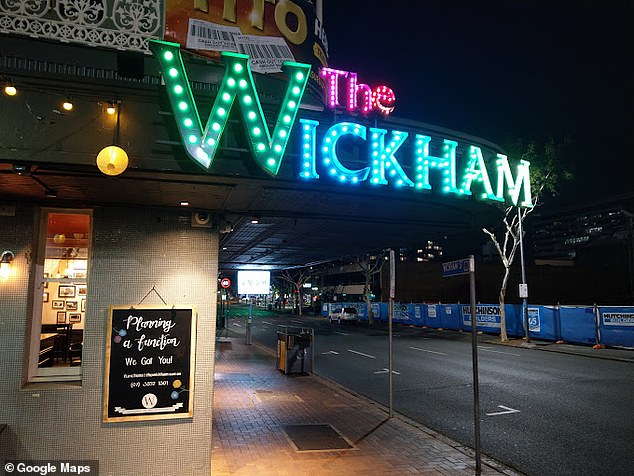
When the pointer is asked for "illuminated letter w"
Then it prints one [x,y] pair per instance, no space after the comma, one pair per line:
[202,144]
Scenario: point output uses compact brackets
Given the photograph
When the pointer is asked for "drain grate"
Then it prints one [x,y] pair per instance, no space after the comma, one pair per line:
[316,438]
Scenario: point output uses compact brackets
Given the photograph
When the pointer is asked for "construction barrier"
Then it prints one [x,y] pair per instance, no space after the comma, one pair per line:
[606,325]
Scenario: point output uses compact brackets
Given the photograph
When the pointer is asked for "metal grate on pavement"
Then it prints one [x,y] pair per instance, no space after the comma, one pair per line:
[305,438]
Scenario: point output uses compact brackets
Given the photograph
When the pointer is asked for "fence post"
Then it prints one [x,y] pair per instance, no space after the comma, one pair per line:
[597,331]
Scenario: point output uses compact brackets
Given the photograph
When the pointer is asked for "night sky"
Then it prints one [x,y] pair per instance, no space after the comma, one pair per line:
[505,70]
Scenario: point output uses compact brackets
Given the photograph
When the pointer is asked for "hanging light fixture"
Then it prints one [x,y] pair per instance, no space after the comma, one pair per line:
[111,109]
[5,263]
[113,160]
[10,89]
[67,105]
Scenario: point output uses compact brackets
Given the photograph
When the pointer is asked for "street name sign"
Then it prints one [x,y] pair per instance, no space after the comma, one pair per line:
[456,268]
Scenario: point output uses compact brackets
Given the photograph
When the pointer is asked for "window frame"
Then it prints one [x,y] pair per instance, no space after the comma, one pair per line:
[35,374]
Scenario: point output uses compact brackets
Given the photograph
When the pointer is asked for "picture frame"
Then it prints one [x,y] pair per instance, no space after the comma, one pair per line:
[81,290]
[66,291]
[74,317]
[45,282]
[45,297]
[58,304]
[83,305]
[61,317]
[71,305]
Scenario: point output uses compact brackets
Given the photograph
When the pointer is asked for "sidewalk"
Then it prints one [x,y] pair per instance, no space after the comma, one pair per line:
[254,403]
[607,353]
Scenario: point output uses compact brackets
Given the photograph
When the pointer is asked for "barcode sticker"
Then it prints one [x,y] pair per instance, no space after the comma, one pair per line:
[204,35]
[267,52]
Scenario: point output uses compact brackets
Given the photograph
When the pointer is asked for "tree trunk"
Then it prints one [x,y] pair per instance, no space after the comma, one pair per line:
[368,303]
[299,298]
[503,336]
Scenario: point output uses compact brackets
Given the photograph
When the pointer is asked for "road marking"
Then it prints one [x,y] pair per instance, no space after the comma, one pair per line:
[296,321]
[267,323]
[430,351]
[330,352]
[236,324]
[385,371]
[361,353]
[341,333]
[506,411]
[486,349]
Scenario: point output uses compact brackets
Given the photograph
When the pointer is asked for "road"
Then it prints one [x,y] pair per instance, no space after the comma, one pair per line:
[542,413]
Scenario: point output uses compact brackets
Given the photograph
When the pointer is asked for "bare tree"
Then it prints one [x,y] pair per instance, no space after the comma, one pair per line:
[370,265]
[506,251]
[548,171]
[297,278]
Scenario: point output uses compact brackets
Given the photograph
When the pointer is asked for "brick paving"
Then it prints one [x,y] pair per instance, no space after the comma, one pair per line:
[252,401]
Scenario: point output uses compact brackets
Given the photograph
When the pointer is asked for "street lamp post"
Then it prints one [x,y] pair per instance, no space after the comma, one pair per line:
[523,286]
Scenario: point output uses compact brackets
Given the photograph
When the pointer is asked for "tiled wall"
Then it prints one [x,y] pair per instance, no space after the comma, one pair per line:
[133,249]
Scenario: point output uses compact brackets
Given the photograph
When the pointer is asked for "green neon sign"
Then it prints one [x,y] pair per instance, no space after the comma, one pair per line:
[238,86]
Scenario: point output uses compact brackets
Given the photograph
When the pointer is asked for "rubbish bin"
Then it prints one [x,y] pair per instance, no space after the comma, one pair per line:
[294,350]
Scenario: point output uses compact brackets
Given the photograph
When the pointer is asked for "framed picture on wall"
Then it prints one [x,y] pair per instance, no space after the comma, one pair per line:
[61,317]
[83,305]
[45,297]
[58,304]
[45,282]
[66,291]
[71,305]
[74,317]
[81,290]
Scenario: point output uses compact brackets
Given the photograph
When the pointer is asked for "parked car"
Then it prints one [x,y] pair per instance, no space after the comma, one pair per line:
[345,314]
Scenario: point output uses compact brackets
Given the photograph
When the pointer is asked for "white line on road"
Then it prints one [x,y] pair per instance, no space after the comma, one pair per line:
[385,371]
[496,351]
[296,321]
[267,323]
[506,411]
[361,353]
[425,350]
[341,333]
[330,352]
[236,324]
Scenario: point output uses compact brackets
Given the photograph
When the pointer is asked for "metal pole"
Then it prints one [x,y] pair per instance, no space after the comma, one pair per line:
[524,300]
[474,353]
[390,319]
[247,340]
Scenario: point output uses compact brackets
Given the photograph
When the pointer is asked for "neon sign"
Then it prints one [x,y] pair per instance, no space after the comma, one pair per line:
[380,98]
[382,165]
[201,143]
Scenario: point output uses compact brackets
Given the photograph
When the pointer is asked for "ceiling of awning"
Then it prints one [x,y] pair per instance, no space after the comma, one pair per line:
[264,223]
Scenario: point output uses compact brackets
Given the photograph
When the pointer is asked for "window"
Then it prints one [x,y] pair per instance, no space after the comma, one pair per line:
[62,256]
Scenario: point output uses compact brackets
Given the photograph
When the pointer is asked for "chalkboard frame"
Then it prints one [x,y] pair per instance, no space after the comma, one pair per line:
[107,364]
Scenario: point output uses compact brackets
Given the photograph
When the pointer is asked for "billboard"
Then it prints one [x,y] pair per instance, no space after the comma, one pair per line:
[269,32]
[254,282]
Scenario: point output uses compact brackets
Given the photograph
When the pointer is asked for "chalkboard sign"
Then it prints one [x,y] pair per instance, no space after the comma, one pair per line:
[149,373]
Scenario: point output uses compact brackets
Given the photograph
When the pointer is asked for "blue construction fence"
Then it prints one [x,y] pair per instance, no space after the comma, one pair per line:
[607,325]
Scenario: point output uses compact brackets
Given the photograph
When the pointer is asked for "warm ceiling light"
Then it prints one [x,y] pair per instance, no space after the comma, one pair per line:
[112,160]
[184,203]
[10,90]
[111,109]
[67,105]
[5,263]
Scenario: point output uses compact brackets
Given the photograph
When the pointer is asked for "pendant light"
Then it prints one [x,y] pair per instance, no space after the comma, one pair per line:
[113,160]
